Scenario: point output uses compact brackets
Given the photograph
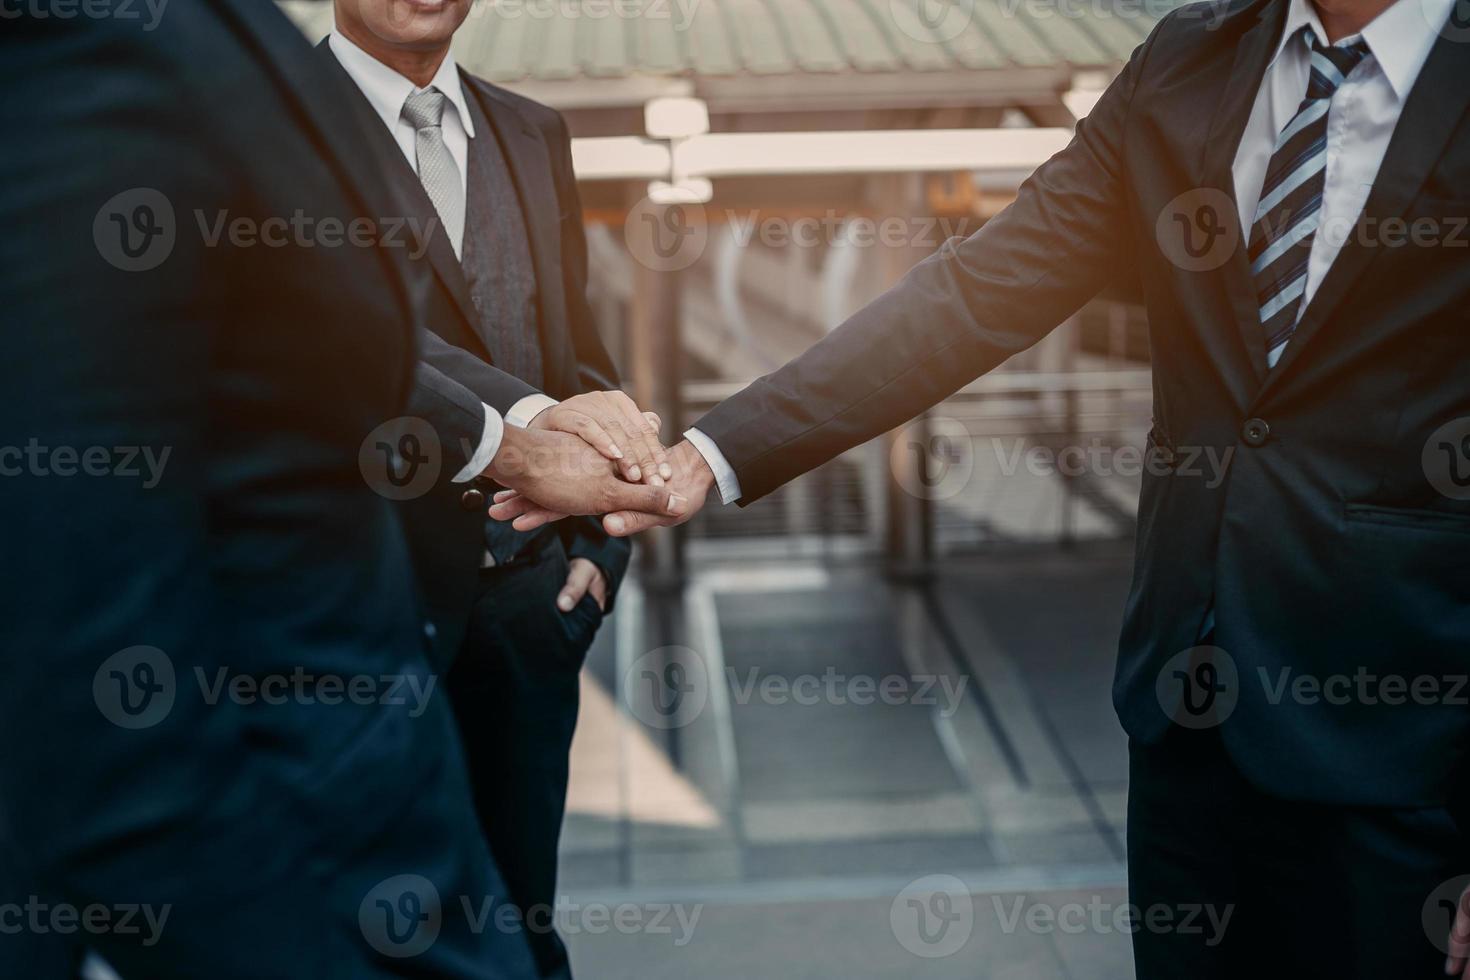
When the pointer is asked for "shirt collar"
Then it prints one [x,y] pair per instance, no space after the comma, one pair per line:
[1299,14]
[386,90]
[1400,38]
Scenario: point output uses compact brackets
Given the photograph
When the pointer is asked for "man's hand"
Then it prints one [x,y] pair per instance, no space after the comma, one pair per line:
[610,422]
[691,483]
[583,579]
[562,475]
[1458,964]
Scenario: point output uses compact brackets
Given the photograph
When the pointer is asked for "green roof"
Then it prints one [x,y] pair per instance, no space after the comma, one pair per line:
[552,40]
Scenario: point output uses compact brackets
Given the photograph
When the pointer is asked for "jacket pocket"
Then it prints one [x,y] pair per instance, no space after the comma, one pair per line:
[1411,518]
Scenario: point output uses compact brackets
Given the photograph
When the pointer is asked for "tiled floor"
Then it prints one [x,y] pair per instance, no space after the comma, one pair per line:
[843,740]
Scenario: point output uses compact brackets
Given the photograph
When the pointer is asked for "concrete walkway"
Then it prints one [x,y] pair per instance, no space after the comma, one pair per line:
[834,775]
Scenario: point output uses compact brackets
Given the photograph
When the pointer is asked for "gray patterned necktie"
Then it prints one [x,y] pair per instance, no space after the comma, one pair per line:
[437,169]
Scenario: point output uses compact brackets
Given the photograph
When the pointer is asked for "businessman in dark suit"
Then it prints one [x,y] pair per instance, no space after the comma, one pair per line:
[184,707]
[509,254]
[1289,181]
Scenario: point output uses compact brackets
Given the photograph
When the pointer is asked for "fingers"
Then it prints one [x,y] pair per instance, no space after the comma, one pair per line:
[523,513]
[1458,963]
[644,499]
[607,436]
[509,505]
[625,524]
[594,435]
[536,519]
[643,437]
[579,580]
[635,465]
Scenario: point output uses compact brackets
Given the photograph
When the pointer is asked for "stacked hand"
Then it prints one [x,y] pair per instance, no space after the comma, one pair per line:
[688,477]
[610,422]
[566,476]
[588,455]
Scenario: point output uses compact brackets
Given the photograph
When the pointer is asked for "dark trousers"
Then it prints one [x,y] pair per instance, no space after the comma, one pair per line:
[514,691]
[1311,890]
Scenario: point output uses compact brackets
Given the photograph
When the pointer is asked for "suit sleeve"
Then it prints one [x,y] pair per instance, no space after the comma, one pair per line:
[488,383]
[955,316]
[468,429]
[584,537]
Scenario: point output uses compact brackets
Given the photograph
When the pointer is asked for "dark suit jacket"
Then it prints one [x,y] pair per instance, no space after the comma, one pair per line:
[1326,550]
[537,149]
[266,549]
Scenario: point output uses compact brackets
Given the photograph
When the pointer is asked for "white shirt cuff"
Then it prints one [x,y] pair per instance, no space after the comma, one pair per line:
[725,478]
[523,411]
[489,446]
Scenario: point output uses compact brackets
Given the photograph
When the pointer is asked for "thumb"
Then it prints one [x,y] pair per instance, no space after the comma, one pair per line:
[646,499]
[579,579]
[625,524]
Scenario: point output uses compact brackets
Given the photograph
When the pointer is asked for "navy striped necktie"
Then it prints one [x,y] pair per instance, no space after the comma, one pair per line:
[1290,211]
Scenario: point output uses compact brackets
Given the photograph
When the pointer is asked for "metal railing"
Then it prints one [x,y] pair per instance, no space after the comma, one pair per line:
[1028,440]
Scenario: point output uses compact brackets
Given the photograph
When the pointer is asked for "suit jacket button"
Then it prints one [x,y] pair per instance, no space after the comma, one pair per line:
[1256,433]
[473,500]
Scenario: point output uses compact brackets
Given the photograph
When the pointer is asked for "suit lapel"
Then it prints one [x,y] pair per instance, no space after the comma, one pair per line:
[322,101]
[1434,110]
[529,162]
[1232,113]
[396,171]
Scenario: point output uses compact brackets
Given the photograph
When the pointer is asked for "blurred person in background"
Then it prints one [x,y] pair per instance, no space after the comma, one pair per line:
[281,836]
[509,255]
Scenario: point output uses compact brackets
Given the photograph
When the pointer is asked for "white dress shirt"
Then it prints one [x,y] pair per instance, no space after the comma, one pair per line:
[1360,124]
[1360,120]
[386,92]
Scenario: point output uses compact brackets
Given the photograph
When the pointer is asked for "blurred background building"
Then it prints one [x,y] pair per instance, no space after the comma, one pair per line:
[862,727]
